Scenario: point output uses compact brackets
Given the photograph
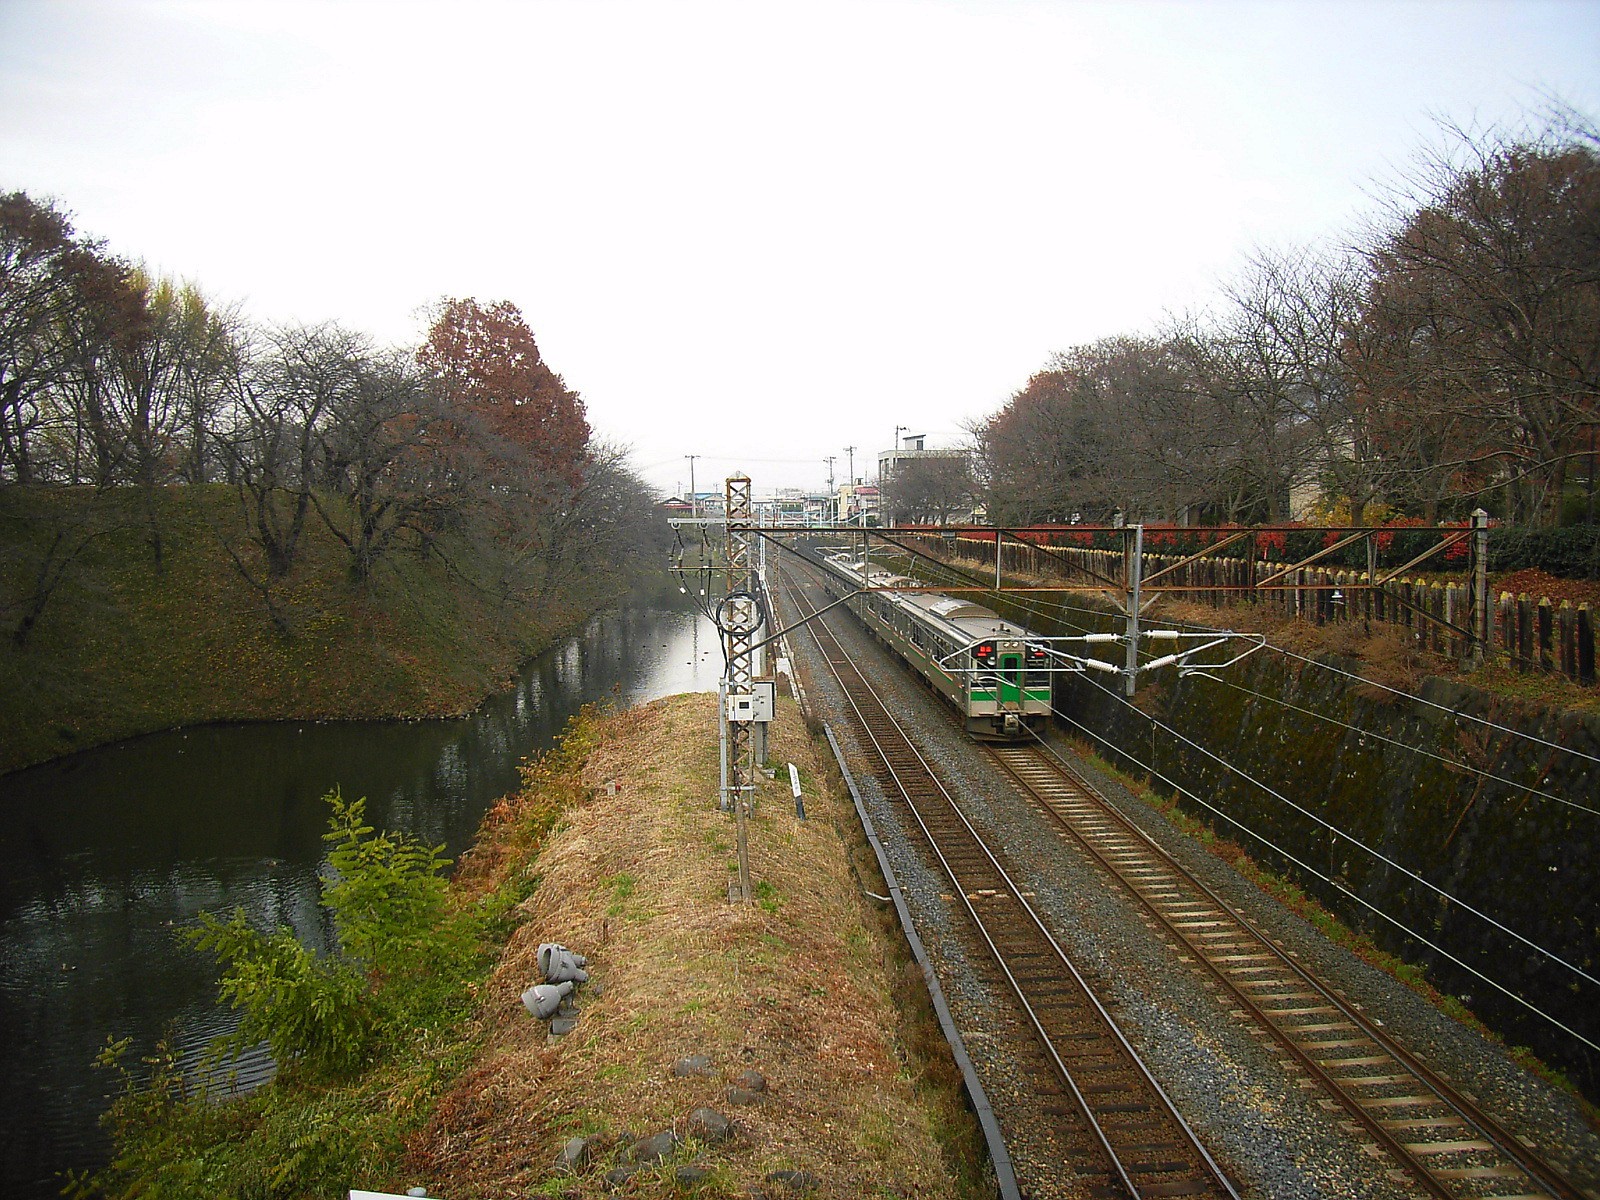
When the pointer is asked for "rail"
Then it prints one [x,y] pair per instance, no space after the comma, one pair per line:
[1109,1107]
[1437,1135]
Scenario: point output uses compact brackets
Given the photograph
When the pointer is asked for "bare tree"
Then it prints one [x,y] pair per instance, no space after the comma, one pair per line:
[378,463]
[293,385]
[1034,455]
[1123,425]
[1263,361]
[929,489]
[1488,290]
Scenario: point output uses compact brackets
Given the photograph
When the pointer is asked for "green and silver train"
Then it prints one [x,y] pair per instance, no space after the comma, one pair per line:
[995,673]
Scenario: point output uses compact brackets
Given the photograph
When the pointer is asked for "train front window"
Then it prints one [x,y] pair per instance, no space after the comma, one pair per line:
[1037,675]
[983,677]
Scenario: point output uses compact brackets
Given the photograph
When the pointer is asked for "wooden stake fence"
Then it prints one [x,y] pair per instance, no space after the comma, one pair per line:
[1533,634]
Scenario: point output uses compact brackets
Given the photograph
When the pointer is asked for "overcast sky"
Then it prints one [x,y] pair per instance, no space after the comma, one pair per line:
[759,233]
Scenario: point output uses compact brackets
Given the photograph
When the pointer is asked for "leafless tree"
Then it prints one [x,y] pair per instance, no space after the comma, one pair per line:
[294,382]
[382,474]
[1122,425]
[1487,290]
[932,490]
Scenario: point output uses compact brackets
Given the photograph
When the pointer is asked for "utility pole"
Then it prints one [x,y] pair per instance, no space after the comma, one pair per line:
[1478,644]
[832,496]
[1133,571]
[886,512]
[851,451]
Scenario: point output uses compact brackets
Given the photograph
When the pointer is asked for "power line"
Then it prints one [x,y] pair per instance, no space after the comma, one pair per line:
[1357,842]
[1335,884]
[1461,716]
[1038,609]
[1368,733]
[1034,606]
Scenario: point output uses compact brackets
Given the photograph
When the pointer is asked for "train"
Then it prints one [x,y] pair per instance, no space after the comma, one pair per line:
[994,673]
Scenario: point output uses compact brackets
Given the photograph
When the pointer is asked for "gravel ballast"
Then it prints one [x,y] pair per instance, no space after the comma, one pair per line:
[1254,1114]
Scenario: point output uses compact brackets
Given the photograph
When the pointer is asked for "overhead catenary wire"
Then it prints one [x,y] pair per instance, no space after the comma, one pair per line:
[1454,764]
[1336,885]
[1355,841]
[1460,716]
[1034,605]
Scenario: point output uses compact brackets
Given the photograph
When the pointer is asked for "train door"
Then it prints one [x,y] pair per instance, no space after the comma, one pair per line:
[1011,679]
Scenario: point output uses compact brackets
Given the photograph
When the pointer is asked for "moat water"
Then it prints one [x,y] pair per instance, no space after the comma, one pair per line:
[104,856]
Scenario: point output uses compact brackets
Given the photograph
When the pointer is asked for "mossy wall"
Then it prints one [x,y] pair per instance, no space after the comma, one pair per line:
[1439,788]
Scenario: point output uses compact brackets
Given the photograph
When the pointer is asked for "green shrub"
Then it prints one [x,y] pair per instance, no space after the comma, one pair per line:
[1572,553]
[367,1038]
[388,897]
[312,1012]
[391,914]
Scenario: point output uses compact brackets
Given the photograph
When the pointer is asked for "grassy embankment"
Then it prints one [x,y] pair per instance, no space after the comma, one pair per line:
[124,647]
[802,986]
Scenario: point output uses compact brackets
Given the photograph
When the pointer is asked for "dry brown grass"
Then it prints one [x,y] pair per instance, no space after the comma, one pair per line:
[792,986]
[1386,655]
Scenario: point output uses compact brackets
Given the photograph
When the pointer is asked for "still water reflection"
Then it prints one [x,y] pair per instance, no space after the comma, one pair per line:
[104,855]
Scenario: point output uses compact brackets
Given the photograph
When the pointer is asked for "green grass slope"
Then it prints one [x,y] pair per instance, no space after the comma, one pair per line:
[124,647]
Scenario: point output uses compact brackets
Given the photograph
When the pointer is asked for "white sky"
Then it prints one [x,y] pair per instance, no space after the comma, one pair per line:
[755,232]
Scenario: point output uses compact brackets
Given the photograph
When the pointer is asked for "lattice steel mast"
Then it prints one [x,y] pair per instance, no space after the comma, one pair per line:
[738,619]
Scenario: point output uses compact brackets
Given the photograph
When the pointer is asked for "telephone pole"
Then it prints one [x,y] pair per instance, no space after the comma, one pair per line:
[851,451]
[694,505]
[885,506]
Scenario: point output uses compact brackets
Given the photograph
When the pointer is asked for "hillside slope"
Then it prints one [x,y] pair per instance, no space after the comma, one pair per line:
[125,646]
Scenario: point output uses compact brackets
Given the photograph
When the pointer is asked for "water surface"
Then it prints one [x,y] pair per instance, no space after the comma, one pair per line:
[104,855]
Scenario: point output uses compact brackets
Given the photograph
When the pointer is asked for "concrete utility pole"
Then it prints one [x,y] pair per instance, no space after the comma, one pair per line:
[885,510]
[851,451]
[1480,589]
[1134,550]
[694,505]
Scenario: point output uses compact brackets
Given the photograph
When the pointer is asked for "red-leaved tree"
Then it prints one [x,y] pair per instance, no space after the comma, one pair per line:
[499,395]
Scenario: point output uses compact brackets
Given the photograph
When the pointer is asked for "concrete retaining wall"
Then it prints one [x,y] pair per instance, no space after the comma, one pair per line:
[1531,863]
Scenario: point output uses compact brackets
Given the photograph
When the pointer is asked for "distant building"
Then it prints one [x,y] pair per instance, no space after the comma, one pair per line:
[780,509]
[912,449]
[820,509]
[857,504]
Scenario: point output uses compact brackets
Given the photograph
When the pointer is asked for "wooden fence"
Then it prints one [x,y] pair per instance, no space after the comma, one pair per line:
[1531,633]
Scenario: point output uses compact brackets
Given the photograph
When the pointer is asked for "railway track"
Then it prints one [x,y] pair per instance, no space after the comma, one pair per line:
[1112,1127]
[1434,1135]
[1431,1135]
